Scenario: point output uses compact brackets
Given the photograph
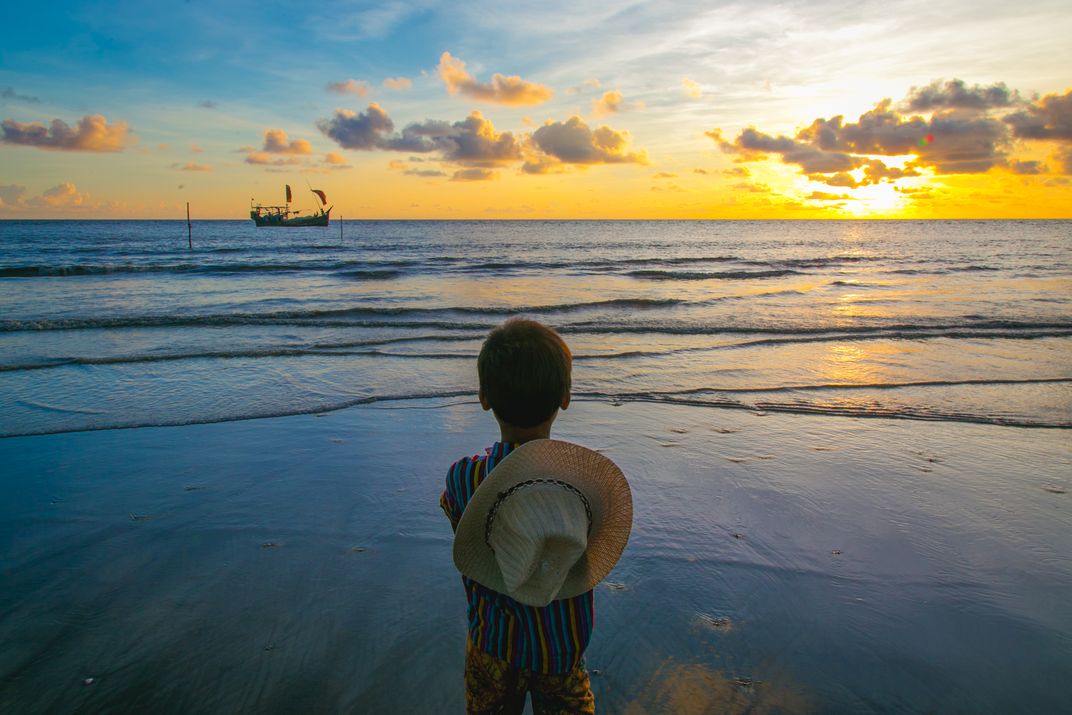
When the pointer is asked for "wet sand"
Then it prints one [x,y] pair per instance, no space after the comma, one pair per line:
[778,563]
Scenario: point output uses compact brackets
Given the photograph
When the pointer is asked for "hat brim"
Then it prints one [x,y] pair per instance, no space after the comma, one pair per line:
[596,476]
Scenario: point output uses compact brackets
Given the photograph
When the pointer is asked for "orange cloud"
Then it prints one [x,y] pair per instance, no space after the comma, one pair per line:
[472,141]
[955,94]
[967,130]
[823,196]
[93,133]
[193,167]
[262,159]
[370,129]
[399,84]
[474,175]
[1049,118]
[841,179]
[1027,167]
[431,173]
[1064,156]
[609,103]
[334,158]
[574,142]
[962,136]
[692,89]
[65,194]
[275,142]
[475,143]
[512,91]
[350,86]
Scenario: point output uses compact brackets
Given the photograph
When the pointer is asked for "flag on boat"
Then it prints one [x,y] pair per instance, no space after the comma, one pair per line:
[323,197]
[288,193]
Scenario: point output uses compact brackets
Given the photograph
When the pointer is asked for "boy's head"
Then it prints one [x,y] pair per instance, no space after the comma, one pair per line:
[524,370]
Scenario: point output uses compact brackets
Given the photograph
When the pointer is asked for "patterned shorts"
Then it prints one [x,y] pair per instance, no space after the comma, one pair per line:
[494,687]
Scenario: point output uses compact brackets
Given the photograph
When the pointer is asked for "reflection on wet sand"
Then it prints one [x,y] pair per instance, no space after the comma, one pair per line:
[695,689]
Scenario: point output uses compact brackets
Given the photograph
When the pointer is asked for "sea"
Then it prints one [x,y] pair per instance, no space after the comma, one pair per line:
[221,455]
[112,324]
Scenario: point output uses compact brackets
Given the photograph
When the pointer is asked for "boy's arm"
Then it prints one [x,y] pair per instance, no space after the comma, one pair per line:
[448,502]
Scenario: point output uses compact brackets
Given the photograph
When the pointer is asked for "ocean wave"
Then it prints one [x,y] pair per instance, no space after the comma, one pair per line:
[707,399]
[844,386]
[917,334]
[79,269]
[92,269]
[982,329]
[467,318]
[711,399]
[337,317]
[674,261]
[129,263]
[943,270]
[380,348]
[371,275]
[601,264]
[822,261]
[656,275]
[264,414]
[228,355]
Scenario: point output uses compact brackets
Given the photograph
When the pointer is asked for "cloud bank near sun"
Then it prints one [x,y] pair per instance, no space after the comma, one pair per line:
[945,128]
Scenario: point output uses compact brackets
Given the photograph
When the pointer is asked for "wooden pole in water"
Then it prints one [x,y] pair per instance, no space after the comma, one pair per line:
[189,230]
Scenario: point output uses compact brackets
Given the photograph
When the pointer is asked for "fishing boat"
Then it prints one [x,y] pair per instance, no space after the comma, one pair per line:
[284,216]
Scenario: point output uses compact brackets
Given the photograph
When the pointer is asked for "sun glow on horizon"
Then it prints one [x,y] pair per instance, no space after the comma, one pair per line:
[876,199]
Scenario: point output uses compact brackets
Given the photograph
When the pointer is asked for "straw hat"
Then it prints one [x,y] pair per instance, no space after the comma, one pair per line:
[549,522]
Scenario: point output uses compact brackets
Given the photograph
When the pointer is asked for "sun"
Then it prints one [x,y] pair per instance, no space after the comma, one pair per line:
[876,200]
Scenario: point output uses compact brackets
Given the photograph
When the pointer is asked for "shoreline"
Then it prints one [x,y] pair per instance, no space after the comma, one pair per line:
[618,400]
[301,562]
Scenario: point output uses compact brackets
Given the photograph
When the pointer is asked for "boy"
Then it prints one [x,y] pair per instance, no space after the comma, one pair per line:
[533,541]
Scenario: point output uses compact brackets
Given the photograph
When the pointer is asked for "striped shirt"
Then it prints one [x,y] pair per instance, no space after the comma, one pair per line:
[551,639]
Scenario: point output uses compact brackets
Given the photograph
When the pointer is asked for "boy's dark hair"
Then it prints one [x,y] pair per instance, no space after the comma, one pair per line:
[524,369]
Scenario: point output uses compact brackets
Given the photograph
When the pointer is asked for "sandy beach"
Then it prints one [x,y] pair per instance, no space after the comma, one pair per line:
[778,563]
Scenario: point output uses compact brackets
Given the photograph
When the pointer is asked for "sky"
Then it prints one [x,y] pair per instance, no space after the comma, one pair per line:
[532,110]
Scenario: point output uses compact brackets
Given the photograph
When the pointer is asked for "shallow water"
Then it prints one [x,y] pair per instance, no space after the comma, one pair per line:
[778,563]
[108,324]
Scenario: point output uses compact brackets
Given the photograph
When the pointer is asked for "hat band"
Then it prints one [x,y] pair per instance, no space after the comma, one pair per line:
[528,483]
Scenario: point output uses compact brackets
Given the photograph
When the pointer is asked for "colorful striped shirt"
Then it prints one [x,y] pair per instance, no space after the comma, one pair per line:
[551,639]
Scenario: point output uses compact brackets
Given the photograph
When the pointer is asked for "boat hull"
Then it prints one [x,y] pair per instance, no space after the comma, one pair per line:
[284,221]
